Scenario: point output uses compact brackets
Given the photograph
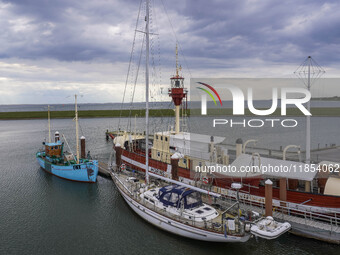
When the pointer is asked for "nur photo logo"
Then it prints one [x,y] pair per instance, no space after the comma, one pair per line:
[279,96]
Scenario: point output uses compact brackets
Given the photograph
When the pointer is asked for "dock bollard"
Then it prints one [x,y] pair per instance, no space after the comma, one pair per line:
[174,166]
[118,155]
[269,197]
[82,147]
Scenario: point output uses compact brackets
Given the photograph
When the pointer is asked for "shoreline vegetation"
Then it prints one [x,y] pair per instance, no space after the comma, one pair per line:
[293,112]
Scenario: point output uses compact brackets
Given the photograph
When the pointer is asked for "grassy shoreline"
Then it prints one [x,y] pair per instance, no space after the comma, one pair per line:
[316,112]
[84,114]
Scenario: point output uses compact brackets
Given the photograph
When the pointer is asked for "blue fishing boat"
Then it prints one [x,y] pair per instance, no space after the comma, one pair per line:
[65,165]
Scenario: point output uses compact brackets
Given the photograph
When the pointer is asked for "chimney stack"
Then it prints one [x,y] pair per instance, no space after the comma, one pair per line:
[56,136]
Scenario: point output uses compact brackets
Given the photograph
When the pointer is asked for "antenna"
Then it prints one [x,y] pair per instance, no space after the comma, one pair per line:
[309,71]
[176,60]
[77,131]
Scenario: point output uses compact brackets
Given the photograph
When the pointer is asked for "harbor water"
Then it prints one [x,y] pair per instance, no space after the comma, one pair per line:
[42,214]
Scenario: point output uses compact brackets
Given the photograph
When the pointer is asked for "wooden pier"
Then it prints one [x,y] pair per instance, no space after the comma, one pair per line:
[104,170]
[312,225]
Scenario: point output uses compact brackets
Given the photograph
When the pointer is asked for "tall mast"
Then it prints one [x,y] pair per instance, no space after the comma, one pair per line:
[49,124]
[147,95]
[177,107]
[177,93]
[308,117]
[77,132]
[176,60]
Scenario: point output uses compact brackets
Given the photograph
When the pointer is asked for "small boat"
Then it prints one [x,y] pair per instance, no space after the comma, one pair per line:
[65,165]
[268,228]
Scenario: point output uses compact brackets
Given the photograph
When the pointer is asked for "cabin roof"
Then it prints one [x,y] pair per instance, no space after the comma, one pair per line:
[181,198]
[54,144]
[180,190]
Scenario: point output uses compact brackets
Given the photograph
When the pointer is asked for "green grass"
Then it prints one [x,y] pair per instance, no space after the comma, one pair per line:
[85,114]
[317,112]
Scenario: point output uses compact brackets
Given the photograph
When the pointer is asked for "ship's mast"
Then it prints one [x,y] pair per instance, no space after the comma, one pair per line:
[177,60]
[177,107]
[49,124]
[308,117]
[177,93]
[147,95]
[77,131]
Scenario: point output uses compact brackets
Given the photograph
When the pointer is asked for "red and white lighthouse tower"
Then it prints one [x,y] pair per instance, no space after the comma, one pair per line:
[177,92]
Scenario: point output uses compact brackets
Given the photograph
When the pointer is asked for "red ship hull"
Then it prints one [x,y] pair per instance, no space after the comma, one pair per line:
[137,162]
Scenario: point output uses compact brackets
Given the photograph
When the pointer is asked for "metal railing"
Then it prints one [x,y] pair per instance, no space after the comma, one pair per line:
[329,221]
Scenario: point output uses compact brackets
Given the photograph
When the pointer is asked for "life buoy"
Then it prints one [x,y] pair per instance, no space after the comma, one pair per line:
[205,180]
[123,167]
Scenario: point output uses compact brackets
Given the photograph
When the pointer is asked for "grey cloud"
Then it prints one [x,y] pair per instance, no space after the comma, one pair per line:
[218,29]
[215,36]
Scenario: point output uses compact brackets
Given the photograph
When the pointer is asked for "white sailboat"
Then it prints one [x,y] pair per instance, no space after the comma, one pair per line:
[179,208]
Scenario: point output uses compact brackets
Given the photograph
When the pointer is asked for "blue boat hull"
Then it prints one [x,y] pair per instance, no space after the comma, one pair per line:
[83,172]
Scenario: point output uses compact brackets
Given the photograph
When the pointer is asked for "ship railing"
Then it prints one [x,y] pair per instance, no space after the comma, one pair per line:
[329,219]
[286,213]
[292,207]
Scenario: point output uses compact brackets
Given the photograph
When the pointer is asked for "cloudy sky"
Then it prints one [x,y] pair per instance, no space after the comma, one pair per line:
[53,49]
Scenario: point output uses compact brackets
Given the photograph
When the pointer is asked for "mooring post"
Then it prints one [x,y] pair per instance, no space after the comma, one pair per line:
[118,155]
[174,166]
[269,197]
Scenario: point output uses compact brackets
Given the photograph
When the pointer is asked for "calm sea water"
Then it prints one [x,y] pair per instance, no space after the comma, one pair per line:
[42,214]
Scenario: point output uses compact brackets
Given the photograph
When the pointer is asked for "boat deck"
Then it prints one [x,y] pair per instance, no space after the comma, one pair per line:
[215,225]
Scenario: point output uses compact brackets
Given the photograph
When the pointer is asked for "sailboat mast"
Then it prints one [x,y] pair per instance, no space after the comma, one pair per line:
[147,96]
[308,117]
[49,124]
[77,131]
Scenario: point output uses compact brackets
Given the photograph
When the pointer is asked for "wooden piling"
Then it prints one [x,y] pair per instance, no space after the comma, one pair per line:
[269,197]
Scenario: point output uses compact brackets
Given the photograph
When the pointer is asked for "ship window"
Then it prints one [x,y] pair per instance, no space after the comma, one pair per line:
[158,154]
[167,197]
[184,161]
[166,139]
[157,137]
[174,198]
[162,138]
[199,211]
[193,200]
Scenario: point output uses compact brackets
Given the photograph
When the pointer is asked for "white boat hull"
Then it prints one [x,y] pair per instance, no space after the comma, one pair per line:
[273,234]
[176,227]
